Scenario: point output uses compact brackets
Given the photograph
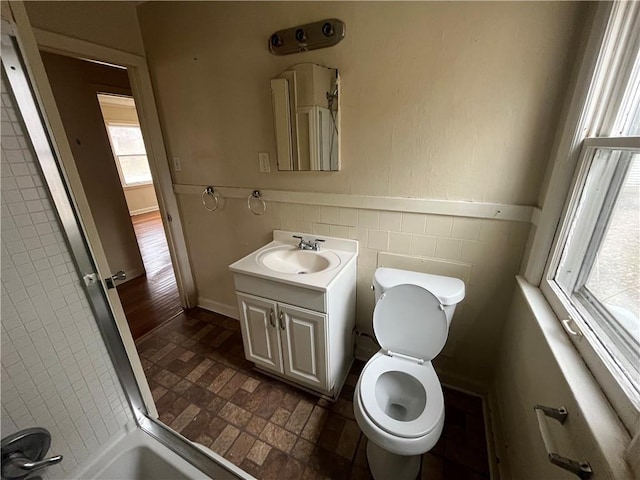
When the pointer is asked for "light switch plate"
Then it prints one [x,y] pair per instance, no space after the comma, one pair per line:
[263,158]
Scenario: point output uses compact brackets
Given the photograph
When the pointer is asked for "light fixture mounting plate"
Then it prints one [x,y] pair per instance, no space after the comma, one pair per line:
[311,36]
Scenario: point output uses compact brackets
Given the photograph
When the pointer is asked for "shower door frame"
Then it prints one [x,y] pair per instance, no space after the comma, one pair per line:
[25,73]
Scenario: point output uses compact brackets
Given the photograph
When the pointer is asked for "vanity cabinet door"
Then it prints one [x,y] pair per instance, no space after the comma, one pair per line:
[260,331]
[304,352]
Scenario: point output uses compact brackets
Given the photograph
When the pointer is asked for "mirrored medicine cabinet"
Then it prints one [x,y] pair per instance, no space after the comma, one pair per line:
[305,117]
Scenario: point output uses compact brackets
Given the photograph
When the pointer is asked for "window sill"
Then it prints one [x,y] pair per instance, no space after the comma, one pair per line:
[609,436]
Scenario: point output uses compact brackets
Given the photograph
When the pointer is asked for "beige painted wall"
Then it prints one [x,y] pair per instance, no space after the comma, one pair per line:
[5,11]
[141,198]
[113,24]
[75,84]
[528,372]
[435,97]
[438,100]
[119,113]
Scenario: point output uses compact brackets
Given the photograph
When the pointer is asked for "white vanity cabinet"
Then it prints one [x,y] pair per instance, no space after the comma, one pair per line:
[285,340]
[299,326]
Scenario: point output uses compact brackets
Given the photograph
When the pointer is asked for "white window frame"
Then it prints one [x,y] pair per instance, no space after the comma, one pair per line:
[125,185]
[605,95]
[611,375]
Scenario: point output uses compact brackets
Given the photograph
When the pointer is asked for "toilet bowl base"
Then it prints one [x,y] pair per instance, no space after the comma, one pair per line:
[385,465]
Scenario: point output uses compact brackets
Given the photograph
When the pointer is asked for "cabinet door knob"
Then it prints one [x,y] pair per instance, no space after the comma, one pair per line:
[271,318]
[281,321]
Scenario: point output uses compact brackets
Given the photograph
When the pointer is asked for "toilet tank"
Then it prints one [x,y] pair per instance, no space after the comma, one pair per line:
[450,291]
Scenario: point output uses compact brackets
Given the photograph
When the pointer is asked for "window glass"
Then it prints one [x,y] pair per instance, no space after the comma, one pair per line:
[128,147]
[614,278]
[135,169]
[127,140]
[600,270]
[628,119]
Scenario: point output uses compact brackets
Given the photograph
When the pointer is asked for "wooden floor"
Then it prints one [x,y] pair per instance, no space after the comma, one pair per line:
[152,299]
[206,390]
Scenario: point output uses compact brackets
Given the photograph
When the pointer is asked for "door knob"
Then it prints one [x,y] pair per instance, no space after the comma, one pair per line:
[118,276]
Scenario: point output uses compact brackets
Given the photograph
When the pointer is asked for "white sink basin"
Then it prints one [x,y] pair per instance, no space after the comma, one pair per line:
[290,259]
[282,261]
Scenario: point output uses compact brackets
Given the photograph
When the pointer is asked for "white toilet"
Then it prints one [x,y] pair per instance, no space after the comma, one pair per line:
[398,400]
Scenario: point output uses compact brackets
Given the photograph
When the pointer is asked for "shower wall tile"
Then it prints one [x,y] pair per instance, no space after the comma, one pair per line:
[399,242]
[339,231]
[448,248]
[439,225]
[423,245]
[368,218]
[378,240]
[329,215]
[413,223]
[467,228]
[322,229]
[348,217]
[56,372]
[391,221]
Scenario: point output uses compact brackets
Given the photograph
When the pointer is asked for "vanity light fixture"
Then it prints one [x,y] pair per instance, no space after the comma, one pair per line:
[311,36]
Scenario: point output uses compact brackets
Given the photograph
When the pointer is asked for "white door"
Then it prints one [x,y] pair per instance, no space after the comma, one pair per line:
[304,349]
[260,331]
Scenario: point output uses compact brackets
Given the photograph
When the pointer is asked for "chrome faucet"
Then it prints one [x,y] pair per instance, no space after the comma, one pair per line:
[23,453]
[308,244]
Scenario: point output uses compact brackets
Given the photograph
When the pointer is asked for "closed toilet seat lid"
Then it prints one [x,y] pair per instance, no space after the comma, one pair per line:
[401,397]
[410,320]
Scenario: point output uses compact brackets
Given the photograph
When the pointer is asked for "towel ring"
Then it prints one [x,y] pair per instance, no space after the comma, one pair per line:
[209,192]
[256,195]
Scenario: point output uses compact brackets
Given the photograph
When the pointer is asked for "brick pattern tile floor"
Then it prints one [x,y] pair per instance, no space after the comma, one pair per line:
[206,390]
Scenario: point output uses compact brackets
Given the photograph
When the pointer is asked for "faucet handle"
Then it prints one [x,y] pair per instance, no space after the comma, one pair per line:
[23,452]
[17,464]
[297,236]
[320,240]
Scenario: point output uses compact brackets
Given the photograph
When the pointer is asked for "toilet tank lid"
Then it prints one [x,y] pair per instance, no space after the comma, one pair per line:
[449,290]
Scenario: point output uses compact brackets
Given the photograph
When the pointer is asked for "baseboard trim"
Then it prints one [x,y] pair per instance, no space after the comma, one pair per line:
[498,460]
[140,211]
[218,307]
[461,382]
[131,274]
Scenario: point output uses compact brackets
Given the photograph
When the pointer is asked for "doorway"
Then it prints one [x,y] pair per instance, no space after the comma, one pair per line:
[151,299]
[101,123]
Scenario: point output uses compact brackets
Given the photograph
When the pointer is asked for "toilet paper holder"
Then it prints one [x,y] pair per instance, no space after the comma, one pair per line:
[580,469]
